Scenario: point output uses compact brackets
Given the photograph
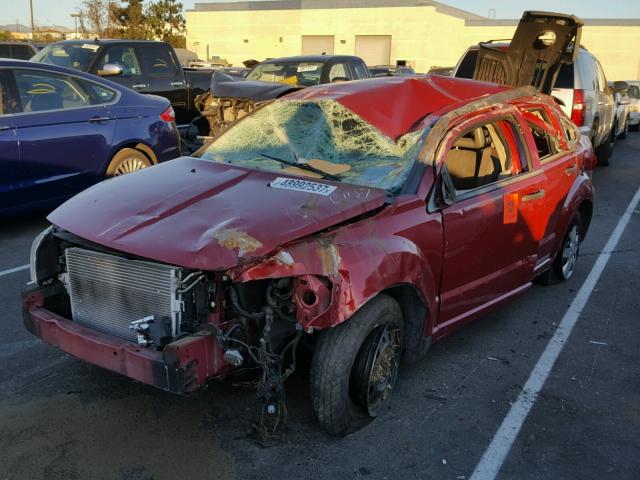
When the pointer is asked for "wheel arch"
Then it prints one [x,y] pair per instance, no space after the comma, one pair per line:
[416,316]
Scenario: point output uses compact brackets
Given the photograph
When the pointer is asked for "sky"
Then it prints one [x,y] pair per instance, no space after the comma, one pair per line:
[57,12]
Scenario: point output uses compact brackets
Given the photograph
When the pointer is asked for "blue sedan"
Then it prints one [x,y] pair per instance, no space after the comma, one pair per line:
[62,130]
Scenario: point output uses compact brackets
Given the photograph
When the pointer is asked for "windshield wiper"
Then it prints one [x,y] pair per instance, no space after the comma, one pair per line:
[302,166]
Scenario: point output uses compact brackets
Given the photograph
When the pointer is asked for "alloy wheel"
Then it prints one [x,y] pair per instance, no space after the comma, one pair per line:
[570,252]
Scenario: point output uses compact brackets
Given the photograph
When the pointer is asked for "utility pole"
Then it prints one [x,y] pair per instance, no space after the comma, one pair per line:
[33,27]
[75,17]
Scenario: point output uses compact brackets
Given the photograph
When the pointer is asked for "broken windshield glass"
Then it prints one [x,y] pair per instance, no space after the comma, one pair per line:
[326,136]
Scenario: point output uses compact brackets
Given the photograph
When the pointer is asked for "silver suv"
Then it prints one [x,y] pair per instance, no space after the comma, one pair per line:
[634,107]
[584,96]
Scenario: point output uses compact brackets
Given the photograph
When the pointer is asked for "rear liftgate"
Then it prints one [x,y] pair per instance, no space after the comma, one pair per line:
[542,43]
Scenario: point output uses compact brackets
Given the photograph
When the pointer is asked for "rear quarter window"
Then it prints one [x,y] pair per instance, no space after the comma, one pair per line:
[467,65]
[565,77]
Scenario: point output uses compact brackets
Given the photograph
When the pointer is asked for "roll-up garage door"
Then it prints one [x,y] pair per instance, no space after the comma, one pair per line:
[317,44]
[374,49]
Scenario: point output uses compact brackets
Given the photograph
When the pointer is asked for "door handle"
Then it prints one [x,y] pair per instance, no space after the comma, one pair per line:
[572,168]
[140,85]
[533,196]
[99,119]
[177,84]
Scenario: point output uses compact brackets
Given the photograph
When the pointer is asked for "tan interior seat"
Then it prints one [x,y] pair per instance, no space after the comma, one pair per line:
[472,162]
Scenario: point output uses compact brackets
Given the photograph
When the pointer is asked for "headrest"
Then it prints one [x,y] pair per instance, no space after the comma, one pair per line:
[478,140]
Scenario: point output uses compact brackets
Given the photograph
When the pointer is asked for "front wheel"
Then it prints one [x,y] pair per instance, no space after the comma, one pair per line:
[355,366]
[126,161]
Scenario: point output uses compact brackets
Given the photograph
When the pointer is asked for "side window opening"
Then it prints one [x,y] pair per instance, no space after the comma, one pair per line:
[41,91]
[123,56]
[157,61]
[339,73]
[479,157]
[570,132]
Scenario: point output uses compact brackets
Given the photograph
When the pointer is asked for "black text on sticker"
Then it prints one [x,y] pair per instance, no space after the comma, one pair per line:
[302,186]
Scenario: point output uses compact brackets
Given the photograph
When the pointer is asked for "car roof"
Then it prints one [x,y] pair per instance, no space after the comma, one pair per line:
[13,63]
[107,41]
[394,105]
[311,58]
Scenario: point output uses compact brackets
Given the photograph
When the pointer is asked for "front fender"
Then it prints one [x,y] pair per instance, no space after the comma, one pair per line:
[361,261]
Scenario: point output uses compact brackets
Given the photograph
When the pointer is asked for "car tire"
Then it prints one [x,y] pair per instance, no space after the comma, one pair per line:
[605,151]
[126,161]
[624,133]
[344,393]
[565,261]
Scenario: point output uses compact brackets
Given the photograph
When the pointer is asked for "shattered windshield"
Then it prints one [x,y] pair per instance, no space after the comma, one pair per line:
[294,73]
[76,56]
[323,134]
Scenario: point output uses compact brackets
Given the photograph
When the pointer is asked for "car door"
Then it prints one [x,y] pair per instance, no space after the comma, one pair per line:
[163,76]
[558,159]
[492,226]
[65,130]
[12,173]
[606,103]
[126,57]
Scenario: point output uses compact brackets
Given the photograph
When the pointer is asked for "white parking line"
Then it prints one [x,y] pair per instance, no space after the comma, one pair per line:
[13,270]
[494,457]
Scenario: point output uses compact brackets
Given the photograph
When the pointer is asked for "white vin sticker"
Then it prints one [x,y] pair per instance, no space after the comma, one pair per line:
[302,186]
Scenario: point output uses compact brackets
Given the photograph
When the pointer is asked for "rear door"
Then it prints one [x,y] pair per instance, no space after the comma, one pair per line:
[65,130]
[606,103]
[558,159]
[12,173]
[492,226]
[163,76]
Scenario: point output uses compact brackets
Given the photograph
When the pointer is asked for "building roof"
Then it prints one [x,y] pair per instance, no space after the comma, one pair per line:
[394,105]
[328,4]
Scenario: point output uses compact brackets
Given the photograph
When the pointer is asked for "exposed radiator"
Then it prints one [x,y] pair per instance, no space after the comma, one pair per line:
[108,292]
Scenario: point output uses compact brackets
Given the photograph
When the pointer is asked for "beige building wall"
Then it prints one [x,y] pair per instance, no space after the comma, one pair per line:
[422,35]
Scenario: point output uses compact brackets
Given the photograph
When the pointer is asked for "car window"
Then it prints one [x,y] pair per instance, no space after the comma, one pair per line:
[123,56]
[41,91]
[602,79]
[634,91]
[570,131]
[589,77]
[326,135]
[8,103]
[5,51]
[157,61]
[468,64]
[546,144]
[338,72]
[565,77]
[361,70]
[481,156]
[300,73]
[21,52]
[71,55]
[98,94]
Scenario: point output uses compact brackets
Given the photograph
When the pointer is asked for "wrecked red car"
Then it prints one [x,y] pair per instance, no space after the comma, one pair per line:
[363,219]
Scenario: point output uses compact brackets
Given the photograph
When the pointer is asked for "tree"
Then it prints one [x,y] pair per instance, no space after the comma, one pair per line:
[132,20]
[5,35]
[98,17]
[166,21]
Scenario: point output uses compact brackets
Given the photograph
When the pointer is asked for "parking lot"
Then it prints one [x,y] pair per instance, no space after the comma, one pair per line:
[63,418]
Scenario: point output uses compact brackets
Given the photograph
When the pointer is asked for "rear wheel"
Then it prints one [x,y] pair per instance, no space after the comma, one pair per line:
[565,262]
[126,161]
[355,366]
[604,151]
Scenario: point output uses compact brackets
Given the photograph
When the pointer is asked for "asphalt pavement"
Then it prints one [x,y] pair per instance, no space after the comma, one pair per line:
[61,418]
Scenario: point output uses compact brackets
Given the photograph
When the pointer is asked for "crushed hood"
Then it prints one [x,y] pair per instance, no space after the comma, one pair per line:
[207,215]
[229,86]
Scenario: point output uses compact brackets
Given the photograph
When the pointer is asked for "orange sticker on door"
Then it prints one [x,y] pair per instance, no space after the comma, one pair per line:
[510,212]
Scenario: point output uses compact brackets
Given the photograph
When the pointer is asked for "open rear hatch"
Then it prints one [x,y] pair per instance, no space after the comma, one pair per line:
[542,42]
